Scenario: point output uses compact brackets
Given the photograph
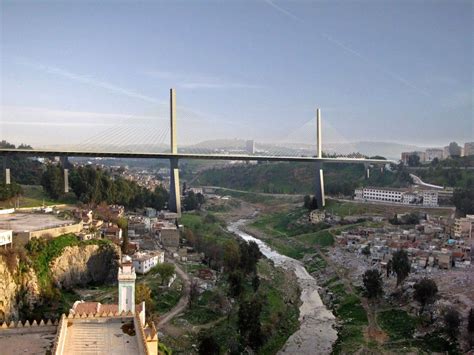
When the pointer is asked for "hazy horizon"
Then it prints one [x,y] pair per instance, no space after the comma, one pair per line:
[399,72]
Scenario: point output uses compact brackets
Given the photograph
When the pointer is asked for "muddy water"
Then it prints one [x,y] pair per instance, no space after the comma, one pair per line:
[316,334]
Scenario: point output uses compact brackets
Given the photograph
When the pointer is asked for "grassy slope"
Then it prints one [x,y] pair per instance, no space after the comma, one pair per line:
[34,196]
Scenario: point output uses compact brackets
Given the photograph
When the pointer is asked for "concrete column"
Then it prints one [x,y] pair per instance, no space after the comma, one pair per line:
[7,171]
[174,145]
[319,186]
[319,183]
[319,142]
[65,164]
[367,171]
[174,203]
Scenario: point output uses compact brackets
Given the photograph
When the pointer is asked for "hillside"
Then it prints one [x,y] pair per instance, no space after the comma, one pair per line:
[299,178]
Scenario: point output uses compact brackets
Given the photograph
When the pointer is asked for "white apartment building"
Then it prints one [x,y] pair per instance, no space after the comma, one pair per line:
[145,261]
[430,198]
[403,196]
[378,194]
[433,153]
[5,237]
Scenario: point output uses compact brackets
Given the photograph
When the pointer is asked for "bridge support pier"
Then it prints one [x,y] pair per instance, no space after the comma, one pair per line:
[65,165]
[7,171]
[174,203]
[319,185]
[367,171]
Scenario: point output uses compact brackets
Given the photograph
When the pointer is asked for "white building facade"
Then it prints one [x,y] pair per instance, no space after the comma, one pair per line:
[5,237]
[144,262]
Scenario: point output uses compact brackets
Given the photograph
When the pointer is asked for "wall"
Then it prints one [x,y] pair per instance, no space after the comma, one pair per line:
[21,238]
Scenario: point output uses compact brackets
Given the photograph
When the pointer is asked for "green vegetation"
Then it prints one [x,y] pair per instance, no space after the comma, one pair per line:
[41,252]
[25,171]
[397,323]
[353,318]
[91,185]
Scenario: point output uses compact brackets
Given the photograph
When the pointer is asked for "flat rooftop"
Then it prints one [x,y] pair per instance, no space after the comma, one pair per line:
[27,341]
[101,336]
[20,222]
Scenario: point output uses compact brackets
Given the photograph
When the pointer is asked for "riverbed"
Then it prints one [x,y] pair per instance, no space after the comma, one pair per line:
[317,332]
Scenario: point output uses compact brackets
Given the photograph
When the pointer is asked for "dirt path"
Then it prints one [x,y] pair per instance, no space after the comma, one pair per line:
[184,300]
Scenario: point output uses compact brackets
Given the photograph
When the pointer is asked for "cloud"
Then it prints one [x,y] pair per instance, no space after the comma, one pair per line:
[88,80]
[197,81]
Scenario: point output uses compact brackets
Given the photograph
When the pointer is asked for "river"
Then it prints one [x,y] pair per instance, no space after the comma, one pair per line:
[317,332]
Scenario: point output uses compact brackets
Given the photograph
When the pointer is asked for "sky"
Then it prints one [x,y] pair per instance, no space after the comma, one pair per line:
[84,71]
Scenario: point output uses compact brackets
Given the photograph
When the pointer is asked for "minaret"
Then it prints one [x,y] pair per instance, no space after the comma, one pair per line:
[126,285]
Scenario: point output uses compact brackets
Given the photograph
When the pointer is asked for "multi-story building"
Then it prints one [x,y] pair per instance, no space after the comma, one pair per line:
[5,237]
[468,149]
[406,156]
[434,153]
[430,198]
[144,262]
[379,194]
[463,226]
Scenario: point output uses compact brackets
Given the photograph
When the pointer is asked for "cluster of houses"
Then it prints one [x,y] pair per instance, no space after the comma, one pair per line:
[431,244]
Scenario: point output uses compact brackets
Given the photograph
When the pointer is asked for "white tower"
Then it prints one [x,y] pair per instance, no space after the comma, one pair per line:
[126,285]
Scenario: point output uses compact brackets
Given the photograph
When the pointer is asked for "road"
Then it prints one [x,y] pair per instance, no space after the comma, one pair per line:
[184,300]
[252,192]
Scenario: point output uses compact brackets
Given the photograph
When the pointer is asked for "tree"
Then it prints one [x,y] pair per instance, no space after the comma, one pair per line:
[373,283]
[231,255]
[235,283]
[400,265]
[389,268]
[193,293]
[52,181]
[249,322]
[452,320]
[122,223]
[413,160]
[454,149]
[143,294]
[470,321]
[366,251]
[255,283]
[307,202]
[208,345]
[470,326]
[165,270]
[425,292]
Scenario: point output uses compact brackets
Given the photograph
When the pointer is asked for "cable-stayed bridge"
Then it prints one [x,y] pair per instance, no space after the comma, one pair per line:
[151,144]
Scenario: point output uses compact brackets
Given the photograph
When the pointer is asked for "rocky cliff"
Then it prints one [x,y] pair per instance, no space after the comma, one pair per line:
[82,265]
[17,289]
[76,266]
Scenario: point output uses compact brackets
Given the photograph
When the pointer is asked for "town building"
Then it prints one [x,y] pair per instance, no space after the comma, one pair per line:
[25,226]
[463,226]
[317,216]
[5,237]
[430,198]
[468,149]
[406,156]
[145,261]
[379,194]
[434,153]
[418,196]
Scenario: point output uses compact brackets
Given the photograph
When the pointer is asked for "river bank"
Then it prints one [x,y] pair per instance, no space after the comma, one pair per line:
[317,332]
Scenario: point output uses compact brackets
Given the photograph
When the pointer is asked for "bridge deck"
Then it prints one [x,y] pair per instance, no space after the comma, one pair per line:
[53,153]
